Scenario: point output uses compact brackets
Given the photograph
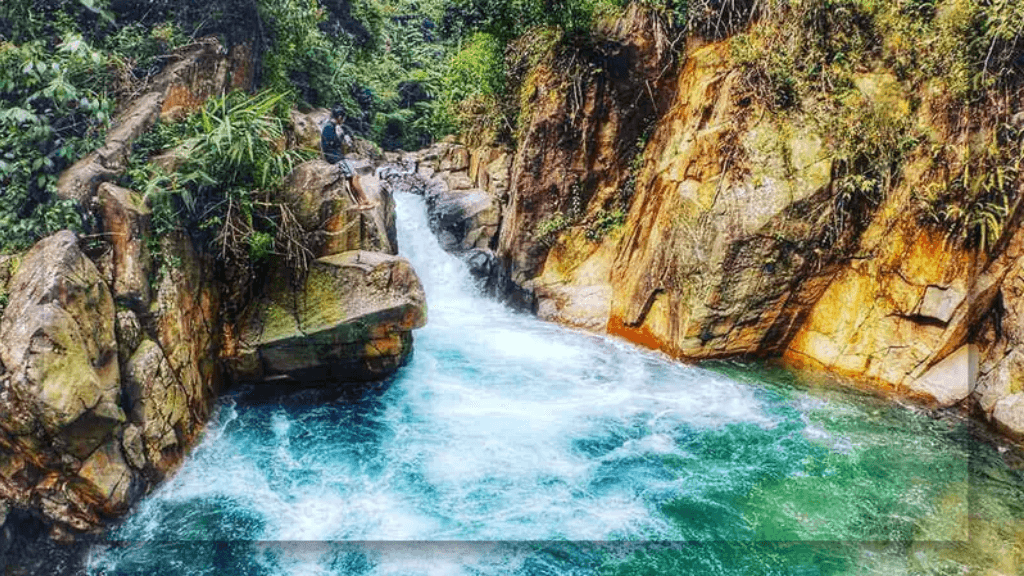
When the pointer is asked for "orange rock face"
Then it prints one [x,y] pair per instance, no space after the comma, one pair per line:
[734,243]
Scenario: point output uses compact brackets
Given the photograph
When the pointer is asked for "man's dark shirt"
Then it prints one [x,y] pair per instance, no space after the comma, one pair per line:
[331,144]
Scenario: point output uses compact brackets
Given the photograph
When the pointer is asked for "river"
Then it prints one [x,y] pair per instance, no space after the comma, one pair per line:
[513,446]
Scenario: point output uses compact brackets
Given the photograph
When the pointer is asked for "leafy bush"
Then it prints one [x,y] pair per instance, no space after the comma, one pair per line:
[53,110]
[298,47]
[472,85]
[23,21]
[142,48]
[476,69]
[978,47]
[230,157]
[547,230]
[604,222]
[509,19]
[973,202]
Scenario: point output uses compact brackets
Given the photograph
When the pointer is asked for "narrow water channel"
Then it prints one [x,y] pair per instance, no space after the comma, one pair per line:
[512,446]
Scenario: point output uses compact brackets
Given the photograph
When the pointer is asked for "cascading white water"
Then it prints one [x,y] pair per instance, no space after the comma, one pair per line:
[504,429]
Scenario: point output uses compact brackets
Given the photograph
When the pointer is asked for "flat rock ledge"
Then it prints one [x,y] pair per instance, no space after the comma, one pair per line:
[350,320]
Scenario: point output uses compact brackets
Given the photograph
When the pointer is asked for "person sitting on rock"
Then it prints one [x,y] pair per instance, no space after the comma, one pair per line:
[332,144]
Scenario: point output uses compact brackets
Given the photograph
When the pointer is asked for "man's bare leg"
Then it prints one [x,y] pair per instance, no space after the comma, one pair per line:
[362,202]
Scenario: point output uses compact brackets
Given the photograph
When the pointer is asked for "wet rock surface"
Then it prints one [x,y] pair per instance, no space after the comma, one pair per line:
[463,189]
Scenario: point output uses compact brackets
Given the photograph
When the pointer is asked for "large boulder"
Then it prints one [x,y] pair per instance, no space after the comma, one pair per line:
[60,414]
[57,344]
[324,206]
[108,479]
[951,380]
[463,219]
[350,320]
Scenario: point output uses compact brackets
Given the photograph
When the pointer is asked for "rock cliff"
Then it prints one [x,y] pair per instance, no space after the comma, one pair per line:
[740,232]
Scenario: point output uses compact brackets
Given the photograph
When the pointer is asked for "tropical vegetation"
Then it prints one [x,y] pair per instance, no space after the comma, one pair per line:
[410,72]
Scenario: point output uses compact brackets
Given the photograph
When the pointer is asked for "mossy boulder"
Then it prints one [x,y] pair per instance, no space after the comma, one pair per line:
[350,320]
[57,344]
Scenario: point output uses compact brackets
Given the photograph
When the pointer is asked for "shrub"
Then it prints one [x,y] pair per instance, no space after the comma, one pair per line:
[142,47]
[547,230]
[471,86]
[973,203]
[53,110]
[604,222]
[232,158]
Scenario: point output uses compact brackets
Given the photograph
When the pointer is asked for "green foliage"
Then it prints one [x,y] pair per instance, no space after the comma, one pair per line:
[509,19]
[229,156]
[23,21]
[972,51]
[386,81]
[869,142]
[547,230]
[806,48]
[476,69]
[974,202]
[235,141]
[471,88]
[604,222]
[261,245]
[53,110]
[298,43]
[142,47]
[975,47]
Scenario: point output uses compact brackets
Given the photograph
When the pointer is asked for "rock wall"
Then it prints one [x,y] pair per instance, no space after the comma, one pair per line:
[578,129]
[108,361]
[95,409]
[738,241]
